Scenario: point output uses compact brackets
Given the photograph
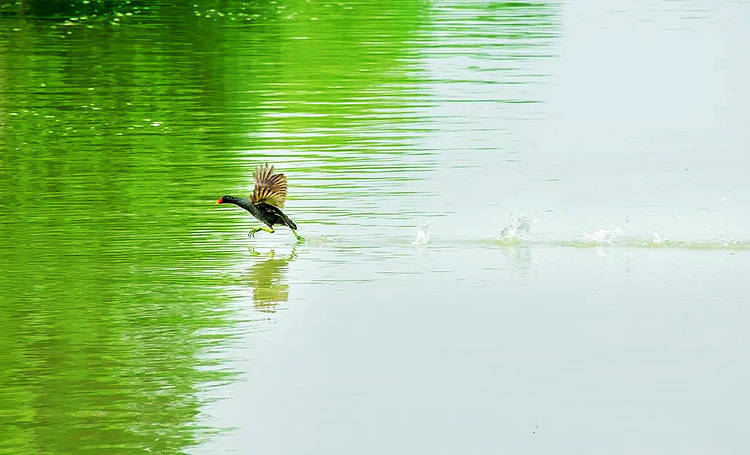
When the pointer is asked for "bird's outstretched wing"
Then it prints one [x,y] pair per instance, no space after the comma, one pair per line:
[269,188]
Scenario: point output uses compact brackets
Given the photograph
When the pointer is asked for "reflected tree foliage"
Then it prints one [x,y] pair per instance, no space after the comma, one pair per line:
[117,130]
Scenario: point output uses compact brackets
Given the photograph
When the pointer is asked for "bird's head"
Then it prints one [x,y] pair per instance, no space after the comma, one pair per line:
[220,200]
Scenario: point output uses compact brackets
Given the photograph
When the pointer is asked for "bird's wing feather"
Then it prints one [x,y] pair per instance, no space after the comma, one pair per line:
[269,188]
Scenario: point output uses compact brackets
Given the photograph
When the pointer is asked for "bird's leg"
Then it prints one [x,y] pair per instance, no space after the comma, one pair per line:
[297,236]
[259,228]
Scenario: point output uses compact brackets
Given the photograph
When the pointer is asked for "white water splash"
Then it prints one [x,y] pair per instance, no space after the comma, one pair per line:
[517,229]
[657,239]
[423,235]
[601,236]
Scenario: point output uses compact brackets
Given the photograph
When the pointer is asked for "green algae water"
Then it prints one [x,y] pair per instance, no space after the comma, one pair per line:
[525,227]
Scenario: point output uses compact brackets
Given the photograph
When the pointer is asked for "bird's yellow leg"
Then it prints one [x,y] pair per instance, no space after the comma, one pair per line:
[297,236]
[260,228]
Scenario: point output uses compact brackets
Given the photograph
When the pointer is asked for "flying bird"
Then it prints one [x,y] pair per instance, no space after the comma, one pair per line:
[265,201]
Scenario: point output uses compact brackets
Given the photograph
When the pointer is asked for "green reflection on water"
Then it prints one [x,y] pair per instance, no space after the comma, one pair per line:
[117,133]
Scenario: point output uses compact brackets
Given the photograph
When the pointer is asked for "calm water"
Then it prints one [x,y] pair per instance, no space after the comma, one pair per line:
[526,228]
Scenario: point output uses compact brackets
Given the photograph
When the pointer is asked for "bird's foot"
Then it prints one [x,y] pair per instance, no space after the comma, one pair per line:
[299,238]
[260,228]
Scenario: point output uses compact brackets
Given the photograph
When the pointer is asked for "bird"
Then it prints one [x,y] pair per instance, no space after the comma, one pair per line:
[265,201]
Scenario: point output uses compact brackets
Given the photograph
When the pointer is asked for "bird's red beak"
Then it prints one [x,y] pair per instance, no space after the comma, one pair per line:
[218,201]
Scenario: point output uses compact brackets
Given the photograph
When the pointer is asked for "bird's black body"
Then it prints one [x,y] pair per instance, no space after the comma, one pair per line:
[266,213]
[266,200]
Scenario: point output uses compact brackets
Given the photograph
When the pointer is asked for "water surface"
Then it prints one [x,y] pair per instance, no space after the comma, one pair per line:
[526,228]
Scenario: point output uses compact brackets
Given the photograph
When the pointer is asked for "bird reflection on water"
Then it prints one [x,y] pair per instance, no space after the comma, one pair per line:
[267,277]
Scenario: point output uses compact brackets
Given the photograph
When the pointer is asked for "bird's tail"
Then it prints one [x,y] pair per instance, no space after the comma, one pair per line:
[289,223]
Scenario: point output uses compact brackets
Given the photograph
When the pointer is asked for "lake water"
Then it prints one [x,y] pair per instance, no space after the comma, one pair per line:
[526,227]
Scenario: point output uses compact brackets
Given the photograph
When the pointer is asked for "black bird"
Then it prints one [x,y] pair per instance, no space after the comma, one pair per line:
[266,200]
